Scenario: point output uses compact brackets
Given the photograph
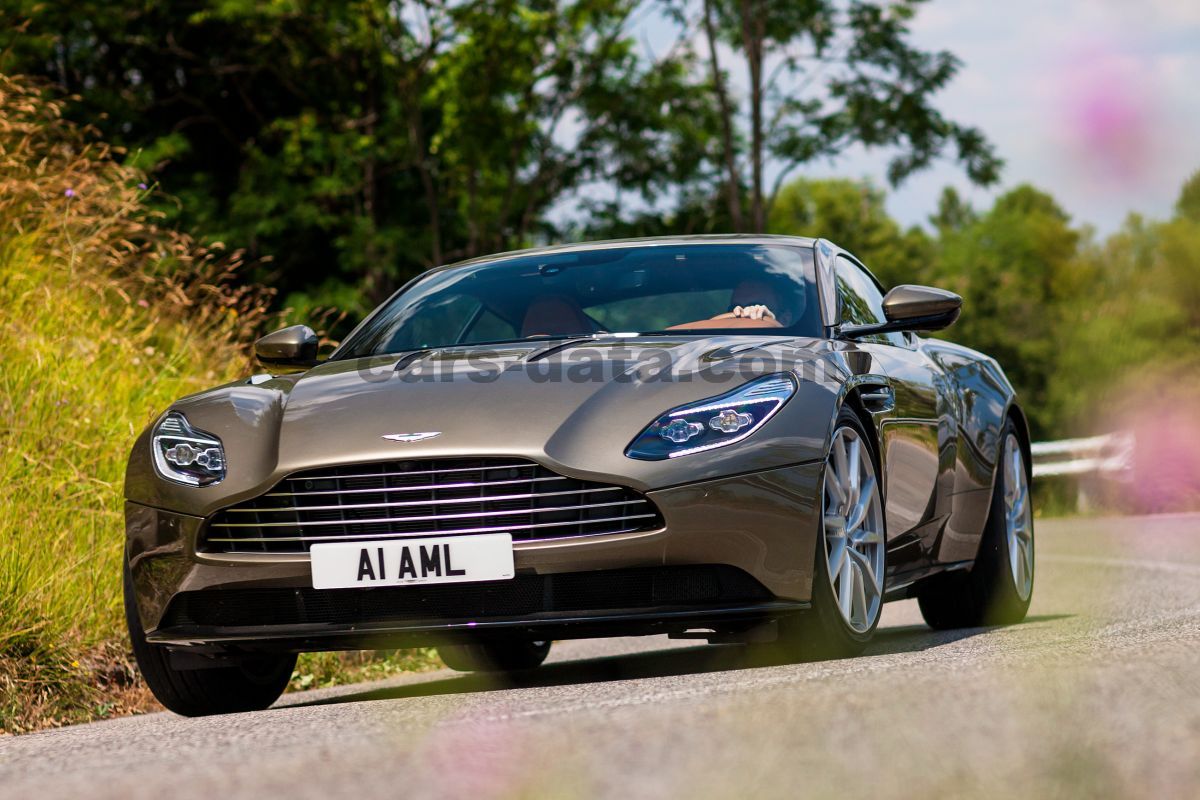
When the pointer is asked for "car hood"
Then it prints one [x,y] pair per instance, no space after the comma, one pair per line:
[574,408]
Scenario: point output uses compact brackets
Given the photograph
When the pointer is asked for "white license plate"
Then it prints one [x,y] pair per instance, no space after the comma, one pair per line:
[442,559]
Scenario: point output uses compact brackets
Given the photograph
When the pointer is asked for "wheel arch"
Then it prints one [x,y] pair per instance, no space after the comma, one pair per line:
[1015,413]
[852,400]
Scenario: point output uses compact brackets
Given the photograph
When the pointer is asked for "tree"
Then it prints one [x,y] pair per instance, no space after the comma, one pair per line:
[852,214]
[1134,331]
[1128,353]
[1016,269]
[360,141]
[822,76]
[953,213]
[1188,205]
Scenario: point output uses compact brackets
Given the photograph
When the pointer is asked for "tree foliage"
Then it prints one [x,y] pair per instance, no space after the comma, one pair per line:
[348,144]
[359,141]
[822,76]
[1015,267]
[355,142]
[846,211]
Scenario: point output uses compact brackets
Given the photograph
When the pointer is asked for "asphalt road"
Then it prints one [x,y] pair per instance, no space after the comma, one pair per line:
[1096,695]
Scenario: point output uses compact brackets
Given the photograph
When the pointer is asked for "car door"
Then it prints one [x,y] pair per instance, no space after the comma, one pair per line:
[917,436]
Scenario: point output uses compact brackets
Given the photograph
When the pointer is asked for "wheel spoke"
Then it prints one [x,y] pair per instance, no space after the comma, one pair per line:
[864,564]
[853,467]
[1015,559]
[837,494]
[840,466]
[860,596]
[1018,506]
[867,536]
[846,588]
[859,513]
[837,554]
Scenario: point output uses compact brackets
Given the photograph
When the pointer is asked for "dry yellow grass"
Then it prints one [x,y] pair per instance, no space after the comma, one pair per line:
[105,317]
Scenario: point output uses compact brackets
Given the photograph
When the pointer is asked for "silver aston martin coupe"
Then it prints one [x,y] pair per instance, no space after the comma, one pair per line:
[743,438]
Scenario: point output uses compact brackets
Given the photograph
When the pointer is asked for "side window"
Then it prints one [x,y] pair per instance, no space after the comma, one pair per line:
[859,300]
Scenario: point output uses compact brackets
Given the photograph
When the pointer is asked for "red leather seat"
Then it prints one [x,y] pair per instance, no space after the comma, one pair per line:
[555,315]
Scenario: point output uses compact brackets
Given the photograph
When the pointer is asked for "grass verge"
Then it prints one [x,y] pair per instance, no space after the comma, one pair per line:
[105,318]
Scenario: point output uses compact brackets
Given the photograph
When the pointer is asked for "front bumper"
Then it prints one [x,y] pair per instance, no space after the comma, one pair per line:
[761,525]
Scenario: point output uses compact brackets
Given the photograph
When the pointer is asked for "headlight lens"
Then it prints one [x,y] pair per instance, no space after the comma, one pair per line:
[715,422]
[186,455]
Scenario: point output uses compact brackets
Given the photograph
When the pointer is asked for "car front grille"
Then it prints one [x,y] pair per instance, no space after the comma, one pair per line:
[433,497]
[643,588]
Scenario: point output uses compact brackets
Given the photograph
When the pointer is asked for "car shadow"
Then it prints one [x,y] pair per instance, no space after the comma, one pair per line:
[654,664]
[914,638]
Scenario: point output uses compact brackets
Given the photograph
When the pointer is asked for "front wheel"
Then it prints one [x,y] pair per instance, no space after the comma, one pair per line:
[848,578]
[248,684]
[500,656]
[998,587]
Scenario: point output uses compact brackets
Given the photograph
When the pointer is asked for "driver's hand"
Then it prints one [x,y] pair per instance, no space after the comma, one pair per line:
[753,312]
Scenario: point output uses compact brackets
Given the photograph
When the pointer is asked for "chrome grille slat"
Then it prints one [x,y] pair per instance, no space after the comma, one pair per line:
[425,497]
[428,518]
[451,501]
[410,473]
[417,534]
[415,488]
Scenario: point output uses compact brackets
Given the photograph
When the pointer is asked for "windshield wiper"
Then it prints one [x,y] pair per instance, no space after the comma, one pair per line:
[571,341]
[409,359]
[562,344]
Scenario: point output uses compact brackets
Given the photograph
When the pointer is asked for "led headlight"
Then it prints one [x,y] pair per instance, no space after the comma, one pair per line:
[186,455]
[715,422]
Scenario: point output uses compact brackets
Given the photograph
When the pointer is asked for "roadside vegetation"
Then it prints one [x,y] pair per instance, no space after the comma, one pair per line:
[106,316]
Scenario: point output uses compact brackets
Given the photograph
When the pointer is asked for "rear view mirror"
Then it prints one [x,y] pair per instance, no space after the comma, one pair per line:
[912,308]
[290,347]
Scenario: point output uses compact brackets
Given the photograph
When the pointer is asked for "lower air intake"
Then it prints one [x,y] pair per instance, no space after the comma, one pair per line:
[525,595]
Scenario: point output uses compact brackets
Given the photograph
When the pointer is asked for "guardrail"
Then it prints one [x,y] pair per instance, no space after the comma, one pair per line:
[1111,454]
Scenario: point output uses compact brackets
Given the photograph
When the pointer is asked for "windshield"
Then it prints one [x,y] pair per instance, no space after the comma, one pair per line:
[730,288]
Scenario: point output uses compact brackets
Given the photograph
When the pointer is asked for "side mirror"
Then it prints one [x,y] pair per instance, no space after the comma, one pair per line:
[291,347]
[924,307]
[911,308]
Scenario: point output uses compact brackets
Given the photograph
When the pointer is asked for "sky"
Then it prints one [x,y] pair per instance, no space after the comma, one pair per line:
[1095,101]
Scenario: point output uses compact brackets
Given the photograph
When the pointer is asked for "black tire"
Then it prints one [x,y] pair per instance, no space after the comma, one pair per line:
[515,655]
[987,593]
[821,632]
[249,684]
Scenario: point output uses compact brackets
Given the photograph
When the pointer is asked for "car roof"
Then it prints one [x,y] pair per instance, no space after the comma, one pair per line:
[645,241]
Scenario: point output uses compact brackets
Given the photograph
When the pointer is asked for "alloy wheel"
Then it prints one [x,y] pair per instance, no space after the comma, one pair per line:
[853,530]
[1018,518]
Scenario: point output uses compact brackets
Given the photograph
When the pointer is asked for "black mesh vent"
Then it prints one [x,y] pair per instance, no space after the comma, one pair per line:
[615,590]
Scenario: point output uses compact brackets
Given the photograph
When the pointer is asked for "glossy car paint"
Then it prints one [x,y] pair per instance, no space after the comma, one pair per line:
[935,409]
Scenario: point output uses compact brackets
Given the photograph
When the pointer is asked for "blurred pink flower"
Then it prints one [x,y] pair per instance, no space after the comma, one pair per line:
[1107,112]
